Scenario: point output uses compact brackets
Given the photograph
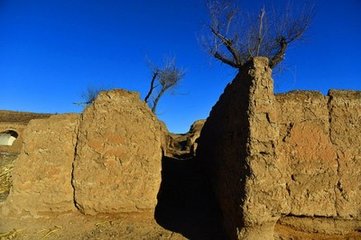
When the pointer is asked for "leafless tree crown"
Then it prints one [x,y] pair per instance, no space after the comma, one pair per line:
[236,36]
[89,96]
[163,79]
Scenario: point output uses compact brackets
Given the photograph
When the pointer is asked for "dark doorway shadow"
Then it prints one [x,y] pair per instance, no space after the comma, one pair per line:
[186,203]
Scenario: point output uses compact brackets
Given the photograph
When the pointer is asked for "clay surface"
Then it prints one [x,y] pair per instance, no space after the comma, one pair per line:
[117,166]
[272,158]
[42,171]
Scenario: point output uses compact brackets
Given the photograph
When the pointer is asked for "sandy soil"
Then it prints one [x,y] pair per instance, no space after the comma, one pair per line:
[289,233]
[77,226]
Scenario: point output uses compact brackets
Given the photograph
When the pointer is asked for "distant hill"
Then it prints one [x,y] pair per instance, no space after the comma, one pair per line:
[20,117]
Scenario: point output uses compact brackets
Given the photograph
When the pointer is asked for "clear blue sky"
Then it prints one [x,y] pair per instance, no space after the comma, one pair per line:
[53,50]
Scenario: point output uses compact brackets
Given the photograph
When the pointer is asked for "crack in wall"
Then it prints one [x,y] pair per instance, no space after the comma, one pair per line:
[72,180]
[304,216]
[338,185]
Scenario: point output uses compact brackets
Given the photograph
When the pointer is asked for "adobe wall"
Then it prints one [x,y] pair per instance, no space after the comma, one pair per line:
[320,140]
[105,160]
[282,164]
[43,170]
[237,146]
[117,165]
[16,121]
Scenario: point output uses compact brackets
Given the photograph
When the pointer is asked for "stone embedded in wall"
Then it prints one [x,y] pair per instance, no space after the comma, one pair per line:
[345,133]
[118,159]
[42,172]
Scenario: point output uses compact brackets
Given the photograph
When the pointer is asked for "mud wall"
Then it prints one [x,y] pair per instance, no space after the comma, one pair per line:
[106,160]
[320,142]
[16,121]
[117,165]
[272,157]
[43,170]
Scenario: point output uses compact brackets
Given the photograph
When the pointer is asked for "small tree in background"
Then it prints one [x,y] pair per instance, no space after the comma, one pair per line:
[235,37]
[163,79]
[89,96]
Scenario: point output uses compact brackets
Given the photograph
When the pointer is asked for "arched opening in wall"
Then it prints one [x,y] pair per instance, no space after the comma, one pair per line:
[7,138]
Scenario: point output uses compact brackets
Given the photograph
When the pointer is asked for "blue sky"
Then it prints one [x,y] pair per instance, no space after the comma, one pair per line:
[52,51]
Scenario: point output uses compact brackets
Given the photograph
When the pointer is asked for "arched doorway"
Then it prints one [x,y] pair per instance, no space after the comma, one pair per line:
[8,137]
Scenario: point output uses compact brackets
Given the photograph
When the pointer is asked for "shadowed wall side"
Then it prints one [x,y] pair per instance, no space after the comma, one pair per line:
[238,149]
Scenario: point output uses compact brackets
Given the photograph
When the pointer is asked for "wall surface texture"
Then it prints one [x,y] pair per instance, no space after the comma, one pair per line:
[283,161]
[43,170]
[117,166]
[106,160]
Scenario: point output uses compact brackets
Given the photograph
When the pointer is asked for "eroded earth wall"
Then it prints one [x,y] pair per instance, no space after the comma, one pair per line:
[117,166]
[289,162]
[106,160]
[320,140]
[238,148]
[42,172]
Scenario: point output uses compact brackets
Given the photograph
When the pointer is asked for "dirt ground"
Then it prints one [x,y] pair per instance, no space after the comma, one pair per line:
[284,232]
[77,226]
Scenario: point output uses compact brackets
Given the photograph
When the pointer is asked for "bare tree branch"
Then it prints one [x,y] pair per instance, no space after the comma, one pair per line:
[233,40]
[260,30]
[280,54]
[223,59]
[89,96]
[229,45]
[152,87]
[167,77]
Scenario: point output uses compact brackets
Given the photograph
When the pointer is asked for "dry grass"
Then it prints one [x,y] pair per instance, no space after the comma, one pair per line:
[50,231]
[8,235]
[5,178]
[20,117]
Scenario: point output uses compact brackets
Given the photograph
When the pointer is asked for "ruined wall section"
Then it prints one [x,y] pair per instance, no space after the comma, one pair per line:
[308,153]
[345,134]
[238,145]
[320,140]
[265,186]
[43,170]
[287,158]
[106,160]
[222,151]
[117,166]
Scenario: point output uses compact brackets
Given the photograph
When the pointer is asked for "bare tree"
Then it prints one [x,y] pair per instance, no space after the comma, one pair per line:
[236,37]
[89,96]
[163,79]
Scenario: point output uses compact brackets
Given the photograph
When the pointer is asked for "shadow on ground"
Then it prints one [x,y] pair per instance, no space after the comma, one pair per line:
[186,204]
